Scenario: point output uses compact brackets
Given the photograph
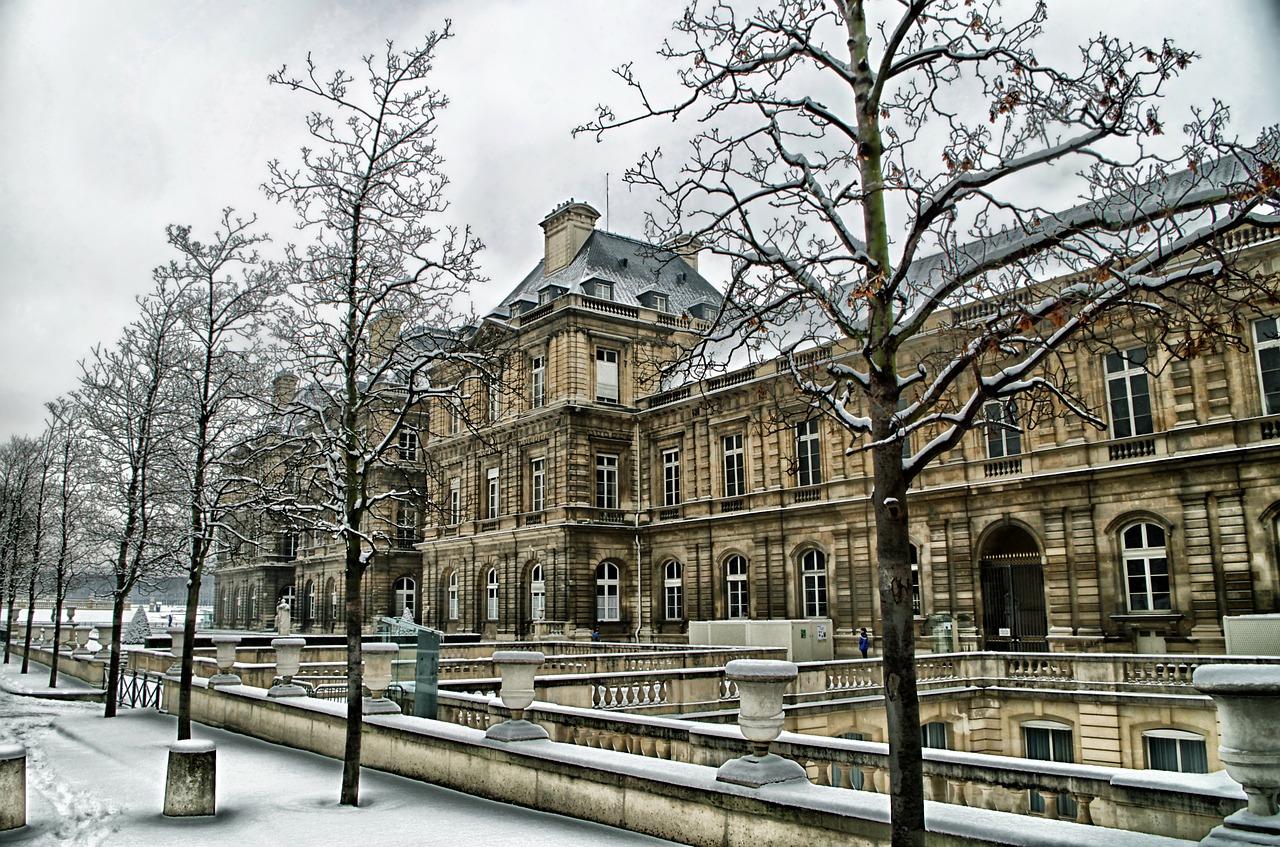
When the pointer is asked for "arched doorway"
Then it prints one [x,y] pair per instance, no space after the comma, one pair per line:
[1013,602]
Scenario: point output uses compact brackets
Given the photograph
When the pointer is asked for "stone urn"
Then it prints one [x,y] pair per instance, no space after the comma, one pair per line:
[517,669]
[226,647]
[378,659]
[288,661]
[762,683]
[1248,701]
[177,635]
[81,639]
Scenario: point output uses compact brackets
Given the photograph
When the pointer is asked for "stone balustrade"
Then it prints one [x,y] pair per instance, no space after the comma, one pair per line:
[681,800]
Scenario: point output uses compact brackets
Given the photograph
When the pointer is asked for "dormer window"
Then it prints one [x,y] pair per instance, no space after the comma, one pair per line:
[549,293]
[603,290]
[515,309]
[655,300]
[702,311]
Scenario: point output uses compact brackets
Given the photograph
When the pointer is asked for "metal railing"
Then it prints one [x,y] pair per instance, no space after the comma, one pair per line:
[139,689]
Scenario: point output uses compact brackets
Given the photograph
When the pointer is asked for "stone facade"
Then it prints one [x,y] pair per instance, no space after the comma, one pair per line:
[592,501]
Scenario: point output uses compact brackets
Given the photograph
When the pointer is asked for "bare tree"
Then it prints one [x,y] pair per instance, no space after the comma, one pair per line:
[72,509]
[127,412]
[870,177]
[19,477]
[372,303]
[42,465]
[222,294]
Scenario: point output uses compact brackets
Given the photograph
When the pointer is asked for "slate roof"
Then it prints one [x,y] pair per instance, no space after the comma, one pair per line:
[633,267]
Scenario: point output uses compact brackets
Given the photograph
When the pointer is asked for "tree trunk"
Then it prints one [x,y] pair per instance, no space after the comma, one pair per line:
[59,596]
[113,671]
[31,613]
[188,656]
[355,677]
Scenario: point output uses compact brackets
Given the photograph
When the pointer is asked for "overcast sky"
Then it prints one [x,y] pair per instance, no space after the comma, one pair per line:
[117,118]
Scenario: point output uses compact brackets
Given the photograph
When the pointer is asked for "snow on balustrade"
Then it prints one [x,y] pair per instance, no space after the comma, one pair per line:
[1038,667]
[1173,671]
[853,675]
[628,695]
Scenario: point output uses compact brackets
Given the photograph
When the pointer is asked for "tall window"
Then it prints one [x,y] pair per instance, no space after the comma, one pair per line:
[1128,393]
[455,419]
[671,477]
[735,577]
[331,599]
[1003,436]
[455,500]
[537,485]
[606,375]
[491,594]
[453,596]
[253,604]
[735,471]
[406,523]
[914,556]
[1146,568]
[492,501]
[673,591]
[1266,336]
[407,445]
[933,735]
[1049,741]
[606,481]
[290,596]
[813,574]
[309,612]
[493,388]
[537,594]
[405,594]
[235,607]
[1175,750]
[539,371]
[809,452]
[607,592]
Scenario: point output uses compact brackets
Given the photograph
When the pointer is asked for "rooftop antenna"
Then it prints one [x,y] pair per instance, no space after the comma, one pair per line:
[606,200]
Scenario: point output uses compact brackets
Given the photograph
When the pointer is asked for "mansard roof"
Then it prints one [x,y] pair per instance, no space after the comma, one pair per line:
[633,267]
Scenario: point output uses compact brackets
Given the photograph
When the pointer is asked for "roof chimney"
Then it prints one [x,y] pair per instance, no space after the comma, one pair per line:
[284,389]
[686,247]
[565,230]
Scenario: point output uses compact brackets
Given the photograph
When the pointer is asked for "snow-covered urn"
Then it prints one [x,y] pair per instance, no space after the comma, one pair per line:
[378,658]
[13,786]
[226,647]
[288,661]
[517,669]
[177,635]
[1248,701]
[81,639]
[762,683]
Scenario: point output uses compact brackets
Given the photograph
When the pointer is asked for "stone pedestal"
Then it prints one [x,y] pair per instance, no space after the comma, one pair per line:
[13,786]
[190,787]
[762,683]
[518,668]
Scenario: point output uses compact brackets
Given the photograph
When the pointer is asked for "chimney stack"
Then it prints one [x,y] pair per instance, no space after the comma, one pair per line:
[565,230]
[686,247]
[284,388]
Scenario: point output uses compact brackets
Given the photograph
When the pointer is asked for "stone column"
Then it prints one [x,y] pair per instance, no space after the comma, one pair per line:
[13,786]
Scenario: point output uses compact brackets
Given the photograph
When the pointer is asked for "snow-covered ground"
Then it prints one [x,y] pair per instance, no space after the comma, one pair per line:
[93,782]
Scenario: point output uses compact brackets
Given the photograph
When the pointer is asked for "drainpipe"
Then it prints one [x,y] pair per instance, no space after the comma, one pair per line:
[635,460]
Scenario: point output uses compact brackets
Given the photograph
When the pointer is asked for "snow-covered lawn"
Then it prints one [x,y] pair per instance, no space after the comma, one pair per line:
[93,782]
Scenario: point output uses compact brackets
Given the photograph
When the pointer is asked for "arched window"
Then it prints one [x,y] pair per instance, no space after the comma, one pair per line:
[309,600]
[404,593]
[491,594]
[453,596]
[537,593]
[607,592]
[813,573]
[331,601]
[735,579]
[673,591]
[1175,750]
[235,608]
[933,734]
[914,556]
[1050,741]
[289,595]
[1146,567]
[253,605]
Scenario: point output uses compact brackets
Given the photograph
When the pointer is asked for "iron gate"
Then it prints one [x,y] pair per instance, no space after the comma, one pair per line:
[1013,604]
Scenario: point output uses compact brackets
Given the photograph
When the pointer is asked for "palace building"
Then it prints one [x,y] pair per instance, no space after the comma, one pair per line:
[594,499]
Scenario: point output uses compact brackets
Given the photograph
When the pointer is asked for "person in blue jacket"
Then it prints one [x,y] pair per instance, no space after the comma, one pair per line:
[864,642]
